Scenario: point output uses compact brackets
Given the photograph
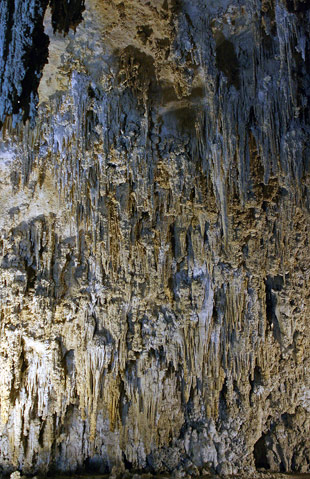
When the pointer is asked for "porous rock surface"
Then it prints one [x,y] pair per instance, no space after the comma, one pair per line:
[154,236]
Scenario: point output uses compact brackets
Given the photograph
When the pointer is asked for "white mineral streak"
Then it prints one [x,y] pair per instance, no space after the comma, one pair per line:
[154,247]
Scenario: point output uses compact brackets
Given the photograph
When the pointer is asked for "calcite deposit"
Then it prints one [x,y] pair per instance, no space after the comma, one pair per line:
[154,236]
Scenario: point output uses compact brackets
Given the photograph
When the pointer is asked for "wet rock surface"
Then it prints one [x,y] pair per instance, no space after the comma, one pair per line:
[154,248]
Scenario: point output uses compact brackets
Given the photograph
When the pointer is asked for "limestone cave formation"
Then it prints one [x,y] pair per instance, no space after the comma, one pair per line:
[154,237]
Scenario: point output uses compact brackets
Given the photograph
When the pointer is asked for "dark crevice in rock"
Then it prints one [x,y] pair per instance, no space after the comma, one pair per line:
[256,381]
[260,453]
[273,285]
[66,14]
[94,465]
[68,362]
[227,61]
[297,6]
[128,464]
[223,402]
[31,277]
[35,58]
[41,434]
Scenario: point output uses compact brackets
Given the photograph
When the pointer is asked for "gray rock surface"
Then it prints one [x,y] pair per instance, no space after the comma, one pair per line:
[154,245]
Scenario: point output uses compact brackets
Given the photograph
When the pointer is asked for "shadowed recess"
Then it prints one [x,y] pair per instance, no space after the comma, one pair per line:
[66,14]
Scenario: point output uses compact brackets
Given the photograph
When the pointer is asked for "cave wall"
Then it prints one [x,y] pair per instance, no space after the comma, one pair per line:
[24,51]
[154,254]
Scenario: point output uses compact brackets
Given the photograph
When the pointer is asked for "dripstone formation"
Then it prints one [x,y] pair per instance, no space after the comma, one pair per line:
[154,236]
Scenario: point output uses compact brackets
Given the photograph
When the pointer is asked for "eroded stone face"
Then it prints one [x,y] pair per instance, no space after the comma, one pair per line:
[154,244]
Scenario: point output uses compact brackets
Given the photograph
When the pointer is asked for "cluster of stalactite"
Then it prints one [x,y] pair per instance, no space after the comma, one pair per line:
[154,264]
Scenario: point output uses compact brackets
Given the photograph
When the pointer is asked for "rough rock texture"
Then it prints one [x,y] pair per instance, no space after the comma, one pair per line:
[24,50]
[154,238]
[23,53]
